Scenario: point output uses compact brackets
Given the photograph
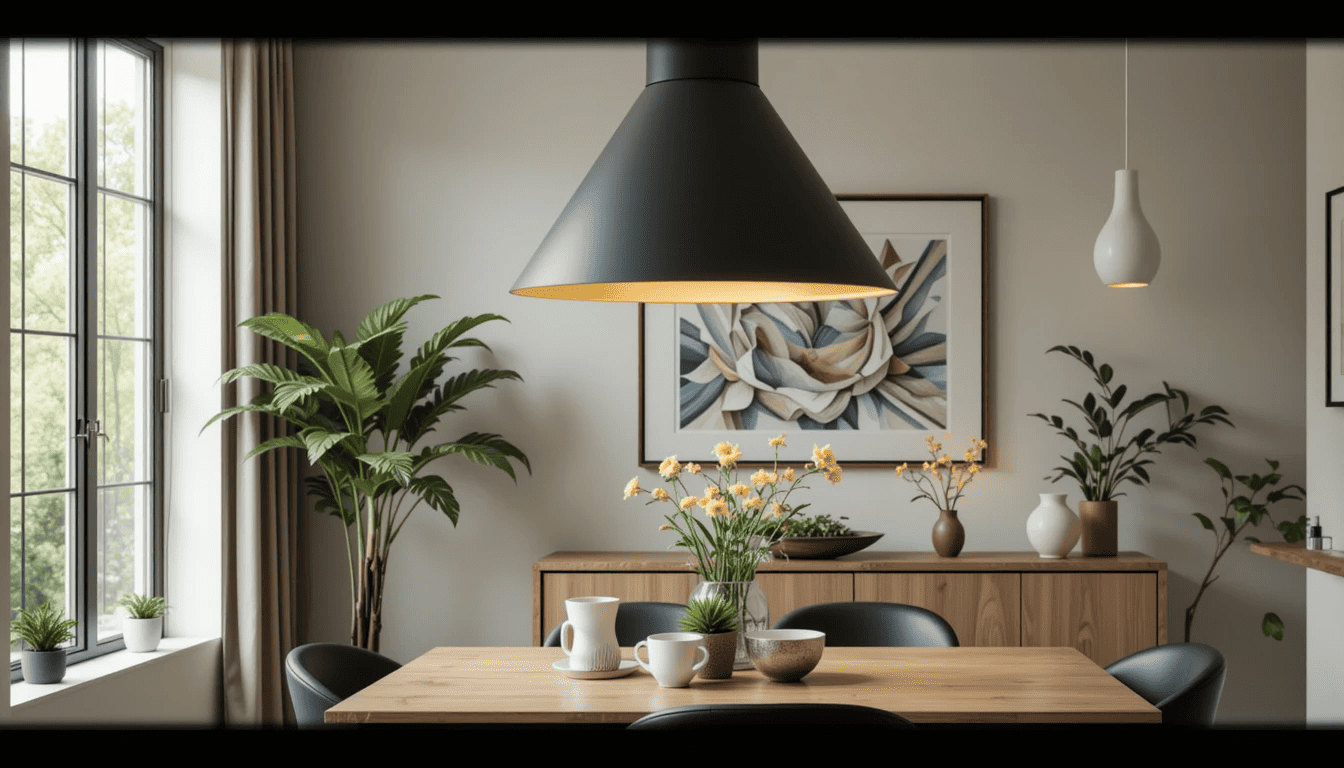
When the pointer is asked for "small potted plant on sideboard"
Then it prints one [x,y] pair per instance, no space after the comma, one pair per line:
[143,626]
[42,629]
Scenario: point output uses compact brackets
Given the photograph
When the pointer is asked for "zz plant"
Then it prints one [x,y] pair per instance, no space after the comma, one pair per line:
[371,431]
[1100,464]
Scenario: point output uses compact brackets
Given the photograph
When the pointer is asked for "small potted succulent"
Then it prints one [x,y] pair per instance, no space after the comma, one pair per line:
[715,617]
[43,629]
[143,626]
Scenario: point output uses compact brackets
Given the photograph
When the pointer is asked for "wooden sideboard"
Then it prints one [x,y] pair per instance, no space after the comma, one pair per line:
[1106,607]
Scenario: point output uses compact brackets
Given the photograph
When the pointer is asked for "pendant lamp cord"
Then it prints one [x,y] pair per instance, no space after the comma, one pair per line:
[1126,104]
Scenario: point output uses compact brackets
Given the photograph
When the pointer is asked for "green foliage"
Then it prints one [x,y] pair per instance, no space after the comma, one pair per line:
[821,525]
[143,606]
[1243,508]
[43,628]
[709,616]
[1101,464]
[362,424]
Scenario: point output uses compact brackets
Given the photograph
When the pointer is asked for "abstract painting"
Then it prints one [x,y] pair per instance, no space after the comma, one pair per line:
[871,377]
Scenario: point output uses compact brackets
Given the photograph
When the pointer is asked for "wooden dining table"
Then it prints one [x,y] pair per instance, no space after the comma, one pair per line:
[493,685]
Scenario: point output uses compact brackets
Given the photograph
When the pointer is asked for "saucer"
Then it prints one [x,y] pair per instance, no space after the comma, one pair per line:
[626,668]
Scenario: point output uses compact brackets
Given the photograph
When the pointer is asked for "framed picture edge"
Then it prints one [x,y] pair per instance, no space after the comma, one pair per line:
[986,411]
[1333,399]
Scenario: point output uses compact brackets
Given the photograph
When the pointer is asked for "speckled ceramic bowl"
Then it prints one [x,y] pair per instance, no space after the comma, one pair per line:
[785,655]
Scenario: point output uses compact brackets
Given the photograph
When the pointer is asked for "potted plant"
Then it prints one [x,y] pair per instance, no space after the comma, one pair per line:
[42,629]
[371,431]
[1099,466]
[943,482]
[142,628]
[716,618]
[821,538]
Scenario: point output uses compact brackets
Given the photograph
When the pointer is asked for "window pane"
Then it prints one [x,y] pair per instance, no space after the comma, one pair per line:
[15,413]
[124,410]
[45,554]
[47,208]
[15,102]
[123,257]
[123,551]
[46,106]
[15,250]
[123,120]
[47,428]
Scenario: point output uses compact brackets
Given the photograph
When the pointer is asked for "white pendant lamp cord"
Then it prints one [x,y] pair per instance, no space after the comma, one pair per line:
[1126,104]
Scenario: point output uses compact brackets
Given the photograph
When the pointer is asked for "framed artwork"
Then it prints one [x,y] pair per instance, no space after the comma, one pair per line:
[1334,300]
[871,377]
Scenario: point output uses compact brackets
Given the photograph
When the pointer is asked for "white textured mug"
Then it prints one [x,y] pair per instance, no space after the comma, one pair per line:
[593,620]
[672,657]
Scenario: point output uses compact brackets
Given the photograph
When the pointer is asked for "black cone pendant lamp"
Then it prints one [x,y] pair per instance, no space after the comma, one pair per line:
[702,196]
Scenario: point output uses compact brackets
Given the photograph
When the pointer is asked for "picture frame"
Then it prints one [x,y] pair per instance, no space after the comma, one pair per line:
[1334,298]
[871,378]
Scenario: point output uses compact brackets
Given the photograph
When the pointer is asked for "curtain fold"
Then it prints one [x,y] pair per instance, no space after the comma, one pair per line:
[262,497]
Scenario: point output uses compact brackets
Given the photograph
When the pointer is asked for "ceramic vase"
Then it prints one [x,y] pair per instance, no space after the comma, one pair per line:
[43,667]
[753,612]
[142,635]
[1052,527]
[722,649]
[1100,527]
[948,535]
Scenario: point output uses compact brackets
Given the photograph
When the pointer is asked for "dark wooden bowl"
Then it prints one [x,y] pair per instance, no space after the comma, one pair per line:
[823,547]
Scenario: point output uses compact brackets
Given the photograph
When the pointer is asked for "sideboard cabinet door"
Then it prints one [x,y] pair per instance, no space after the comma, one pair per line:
[787,591]
[1106,616]
[981,607]
[653,587]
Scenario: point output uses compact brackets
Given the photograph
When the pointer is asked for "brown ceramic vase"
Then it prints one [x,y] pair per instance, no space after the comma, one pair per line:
[1100,527]
[948,535]
[722,649]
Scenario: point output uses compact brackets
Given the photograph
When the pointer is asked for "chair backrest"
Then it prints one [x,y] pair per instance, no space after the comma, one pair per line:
[322,675]
[635,621]
[873,624]
[1183,680]
[770,716]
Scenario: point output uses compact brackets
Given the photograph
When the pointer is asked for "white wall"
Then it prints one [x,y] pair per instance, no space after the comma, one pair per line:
[1325,426]
[436,167]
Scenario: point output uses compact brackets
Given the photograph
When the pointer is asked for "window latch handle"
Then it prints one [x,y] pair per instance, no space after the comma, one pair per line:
[92,429]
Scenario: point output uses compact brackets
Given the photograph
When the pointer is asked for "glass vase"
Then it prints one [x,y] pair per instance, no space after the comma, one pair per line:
[753,612]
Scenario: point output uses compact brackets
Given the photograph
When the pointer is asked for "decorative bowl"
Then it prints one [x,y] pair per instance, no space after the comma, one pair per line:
[785,655]
[823,547]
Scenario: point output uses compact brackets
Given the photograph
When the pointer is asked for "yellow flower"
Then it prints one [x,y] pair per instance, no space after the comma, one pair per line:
[688,502]
[775,510]
[632,488]
[712,492]
[755,502]
[833,474]
[664,527]
[901,469]
[970,456]
[764,478]
[660,495]
[936,473]
[927,467]
[728,454]
[788,474]
[716,507]
[740,490]
[823,457]
[777,442]
[973,468]
[694,469]
[945,460]
[979,443]
[669,468]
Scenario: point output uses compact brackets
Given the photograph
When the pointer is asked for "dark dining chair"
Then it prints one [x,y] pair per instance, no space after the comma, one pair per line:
[873,624]
[735,717]
[322,675]
[1183,680]
[635,621]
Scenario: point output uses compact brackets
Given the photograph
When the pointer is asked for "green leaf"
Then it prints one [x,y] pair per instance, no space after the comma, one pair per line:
[392,464]
[437,493]
[288,441]
[1233,524]
[1273,465]
[291,392]
[353,380]
[1294,531]
[482,448]
[1272,626]
[1106,374]
[1220,468]
[1118,395]
[319,440]
[1250,539]
[1204,520]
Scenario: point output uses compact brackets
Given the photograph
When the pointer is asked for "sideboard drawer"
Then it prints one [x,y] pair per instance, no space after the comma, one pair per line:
[983,608]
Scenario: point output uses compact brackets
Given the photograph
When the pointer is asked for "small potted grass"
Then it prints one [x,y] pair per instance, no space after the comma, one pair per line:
[43,629]
[715,617]
[143,626]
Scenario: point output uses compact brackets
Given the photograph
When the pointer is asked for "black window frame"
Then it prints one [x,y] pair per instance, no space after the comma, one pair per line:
[88,534]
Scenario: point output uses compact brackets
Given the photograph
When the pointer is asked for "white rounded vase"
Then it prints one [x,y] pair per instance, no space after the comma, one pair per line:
[142,635]
[1053,527]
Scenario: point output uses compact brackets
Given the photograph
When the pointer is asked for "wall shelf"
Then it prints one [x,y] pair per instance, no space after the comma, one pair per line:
[1298,554]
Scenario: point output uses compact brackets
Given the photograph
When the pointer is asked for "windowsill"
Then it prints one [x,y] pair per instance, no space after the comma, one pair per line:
[99,668]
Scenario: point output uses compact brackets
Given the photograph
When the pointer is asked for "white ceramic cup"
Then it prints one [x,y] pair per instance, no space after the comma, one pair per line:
[672,657]
[594,648]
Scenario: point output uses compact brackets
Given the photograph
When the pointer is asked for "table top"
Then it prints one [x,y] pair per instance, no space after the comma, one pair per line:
[924,685]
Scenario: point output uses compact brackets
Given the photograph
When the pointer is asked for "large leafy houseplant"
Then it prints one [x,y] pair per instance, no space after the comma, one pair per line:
[363,426]
[1101,464]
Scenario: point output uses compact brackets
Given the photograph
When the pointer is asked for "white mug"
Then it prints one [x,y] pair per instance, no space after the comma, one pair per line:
[593,620]
[672,657]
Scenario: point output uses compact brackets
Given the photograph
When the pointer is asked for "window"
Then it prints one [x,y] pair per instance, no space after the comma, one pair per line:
[86,360]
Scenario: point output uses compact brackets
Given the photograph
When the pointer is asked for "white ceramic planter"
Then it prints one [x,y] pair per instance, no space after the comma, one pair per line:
[142,635]
[1053,527]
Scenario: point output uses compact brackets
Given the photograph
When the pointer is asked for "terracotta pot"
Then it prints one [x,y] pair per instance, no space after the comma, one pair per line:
[1100,527]
[722,653]
[948,535]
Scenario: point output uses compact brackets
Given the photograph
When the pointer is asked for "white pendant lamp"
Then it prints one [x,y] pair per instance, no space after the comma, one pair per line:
[1127,253]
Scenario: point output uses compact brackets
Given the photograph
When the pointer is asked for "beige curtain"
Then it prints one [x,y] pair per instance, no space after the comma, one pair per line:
[261,495]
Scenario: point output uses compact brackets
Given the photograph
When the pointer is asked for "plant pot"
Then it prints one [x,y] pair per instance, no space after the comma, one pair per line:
[753,612]
[142,635]
[948,534]
[1052,527]
[722,649]
[43,667]
[1100,527]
